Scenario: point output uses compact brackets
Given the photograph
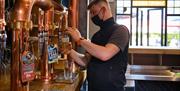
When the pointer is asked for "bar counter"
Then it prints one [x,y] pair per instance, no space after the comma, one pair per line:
[154,78]
[153,73]
[39,85]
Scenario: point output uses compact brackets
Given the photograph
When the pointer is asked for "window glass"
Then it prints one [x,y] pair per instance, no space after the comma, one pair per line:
[123,6]
[173,7]
[173,30]
[123,19]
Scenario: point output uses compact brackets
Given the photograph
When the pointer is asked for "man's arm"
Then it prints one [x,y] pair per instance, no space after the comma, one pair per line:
[81,59]
[102,52]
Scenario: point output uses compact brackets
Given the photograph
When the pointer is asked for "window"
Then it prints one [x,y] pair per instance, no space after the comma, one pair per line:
[150,24]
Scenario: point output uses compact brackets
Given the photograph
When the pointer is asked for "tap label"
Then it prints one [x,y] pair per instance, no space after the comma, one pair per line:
[27,66]
[52,54]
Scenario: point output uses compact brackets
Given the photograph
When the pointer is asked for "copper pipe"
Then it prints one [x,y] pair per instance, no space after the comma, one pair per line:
[15,82]
[2,15]
[73,13]
[2,8]
[73,16]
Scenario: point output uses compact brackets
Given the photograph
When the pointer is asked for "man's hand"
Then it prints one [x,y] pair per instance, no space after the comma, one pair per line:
[75,34]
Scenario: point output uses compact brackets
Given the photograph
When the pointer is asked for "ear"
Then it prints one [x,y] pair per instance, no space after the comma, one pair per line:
[103,11]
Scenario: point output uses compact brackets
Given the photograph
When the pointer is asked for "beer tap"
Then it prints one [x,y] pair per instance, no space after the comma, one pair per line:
[40,31]
[48,51]
[43,46]
[64,40]
[64,46]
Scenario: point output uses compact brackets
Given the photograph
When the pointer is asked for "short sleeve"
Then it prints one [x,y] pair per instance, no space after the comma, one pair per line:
[120,37]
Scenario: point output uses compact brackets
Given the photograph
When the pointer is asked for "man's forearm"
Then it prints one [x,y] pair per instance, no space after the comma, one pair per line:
[93,49]
[79,58]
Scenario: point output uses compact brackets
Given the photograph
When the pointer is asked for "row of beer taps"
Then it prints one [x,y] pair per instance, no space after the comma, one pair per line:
[22,61]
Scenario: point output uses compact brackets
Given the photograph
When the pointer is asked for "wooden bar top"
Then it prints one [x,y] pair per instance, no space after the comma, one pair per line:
[39,85]
[154,50]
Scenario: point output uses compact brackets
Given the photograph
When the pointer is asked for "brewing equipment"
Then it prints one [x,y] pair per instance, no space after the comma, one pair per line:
[23,61]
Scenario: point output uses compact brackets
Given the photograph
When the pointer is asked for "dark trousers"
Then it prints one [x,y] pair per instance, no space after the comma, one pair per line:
[105,89]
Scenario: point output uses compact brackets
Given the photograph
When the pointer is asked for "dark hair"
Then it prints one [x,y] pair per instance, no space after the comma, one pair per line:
[95,2]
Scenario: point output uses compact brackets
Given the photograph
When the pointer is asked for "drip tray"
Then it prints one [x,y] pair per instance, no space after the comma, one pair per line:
[60,78]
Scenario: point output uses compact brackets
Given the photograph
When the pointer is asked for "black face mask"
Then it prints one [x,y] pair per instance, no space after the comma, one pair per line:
[96,20]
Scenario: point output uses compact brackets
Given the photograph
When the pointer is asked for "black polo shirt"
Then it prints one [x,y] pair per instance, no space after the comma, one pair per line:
[109,75]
